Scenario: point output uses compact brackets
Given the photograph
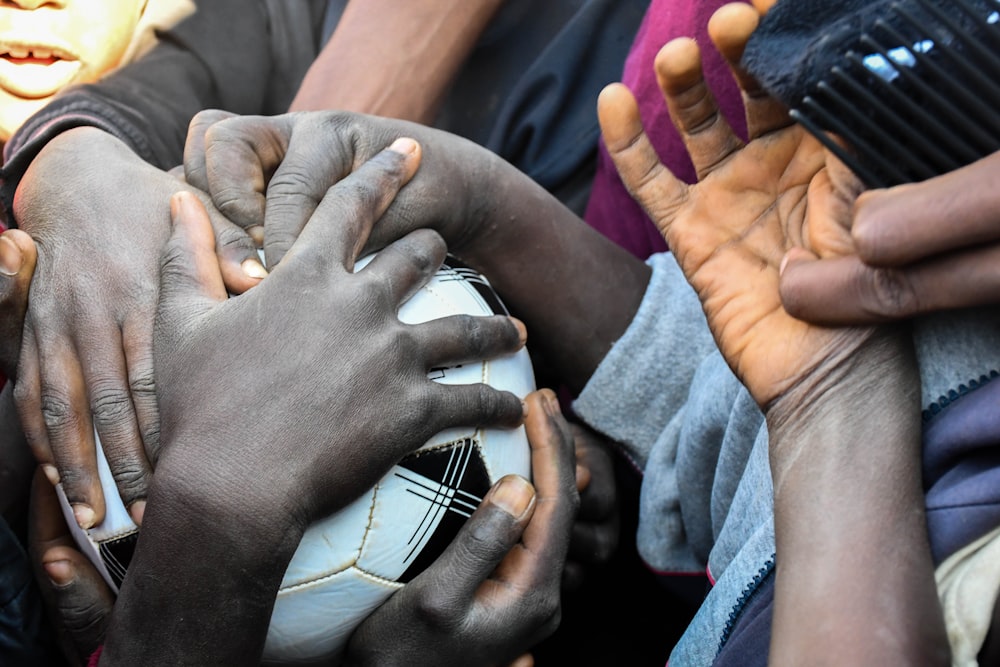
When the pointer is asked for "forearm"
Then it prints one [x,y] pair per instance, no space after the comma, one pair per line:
[394,59]
[575,290]
[855,579]
[209,571]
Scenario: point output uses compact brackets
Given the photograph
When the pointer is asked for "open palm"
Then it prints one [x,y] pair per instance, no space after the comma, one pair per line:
[751,205]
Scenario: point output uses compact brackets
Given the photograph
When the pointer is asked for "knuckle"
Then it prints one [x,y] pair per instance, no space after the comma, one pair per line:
[81,617]
[234,202]
[293,178]
[232,238]
[434,607]
[143,386]
[892,295]
[476,333]
[426,250]
[58,414]
[130,478]
[110,406]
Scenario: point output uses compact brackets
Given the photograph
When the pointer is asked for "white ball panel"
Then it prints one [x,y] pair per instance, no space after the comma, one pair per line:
[404,516]
[316,619]
[330,545]
[329,587]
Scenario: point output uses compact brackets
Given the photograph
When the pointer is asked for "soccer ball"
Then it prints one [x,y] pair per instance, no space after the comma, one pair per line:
[351,562]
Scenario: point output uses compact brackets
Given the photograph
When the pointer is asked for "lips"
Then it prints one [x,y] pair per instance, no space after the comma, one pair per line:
[35,70]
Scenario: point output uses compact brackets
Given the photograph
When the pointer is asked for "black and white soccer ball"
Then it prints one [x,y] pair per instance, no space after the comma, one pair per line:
[351,562]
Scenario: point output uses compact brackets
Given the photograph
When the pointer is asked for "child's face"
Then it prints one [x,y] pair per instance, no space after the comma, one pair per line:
[46,45]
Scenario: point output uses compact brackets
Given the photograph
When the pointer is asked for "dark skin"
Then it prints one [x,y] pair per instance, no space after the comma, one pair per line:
[810,381]
[195,296]
[498,582]
[729,232]
[809,391]
[509,558]
[907,260]
[370,370]
[86,356]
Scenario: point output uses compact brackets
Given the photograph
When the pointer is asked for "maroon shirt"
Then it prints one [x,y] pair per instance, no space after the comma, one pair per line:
[611,210]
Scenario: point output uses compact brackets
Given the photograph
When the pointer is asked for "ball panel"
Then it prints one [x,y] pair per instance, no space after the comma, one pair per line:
[331,544]
[315,620]
[345,566]
[420,506]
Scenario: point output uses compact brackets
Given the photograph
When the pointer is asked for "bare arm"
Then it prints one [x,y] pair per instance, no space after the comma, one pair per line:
[392,58]
[855,579]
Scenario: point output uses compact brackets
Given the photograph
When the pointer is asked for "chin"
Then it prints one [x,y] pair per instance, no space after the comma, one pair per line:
[15,111]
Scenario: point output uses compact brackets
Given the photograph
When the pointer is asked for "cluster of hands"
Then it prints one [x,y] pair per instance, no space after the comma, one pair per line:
[130,329]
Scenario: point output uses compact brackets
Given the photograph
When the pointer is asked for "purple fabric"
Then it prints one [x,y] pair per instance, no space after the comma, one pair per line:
[611,210]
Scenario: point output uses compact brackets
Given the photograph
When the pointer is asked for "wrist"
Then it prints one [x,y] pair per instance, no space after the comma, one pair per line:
[200,552]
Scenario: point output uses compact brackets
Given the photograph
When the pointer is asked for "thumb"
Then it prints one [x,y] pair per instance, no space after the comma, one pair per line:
[18,256]
[190,275]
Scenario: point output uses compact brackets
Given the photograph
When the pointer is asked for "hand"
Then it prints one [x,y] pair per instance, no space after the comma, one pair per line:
[597,527]
[17,265]
[280,406]
[267,174]
[827,393]
[752,203]
[99,216]
[921,247]
[494,592]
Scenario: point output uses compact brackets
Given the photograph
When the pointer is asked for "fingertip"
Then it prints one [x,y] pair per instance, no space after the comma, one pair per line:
[51,473]
[11,256]
[410,150]
[795,255]
[253,269]
[514,495]
[256,234]
[137,511]
[730,27]
[84,515]
[583,477]
[522,331]
[763,6]
[616,107]
[678,65]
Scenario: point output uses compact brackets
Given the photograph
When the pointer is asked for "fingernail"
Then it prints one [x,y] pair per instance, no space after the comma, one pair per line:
[84,516]
[60,572]
[254,269]
[404,145]
[513,495]
[552,405]
[51,473]
[137,510]
[11,257]
[784,263]
[256,234]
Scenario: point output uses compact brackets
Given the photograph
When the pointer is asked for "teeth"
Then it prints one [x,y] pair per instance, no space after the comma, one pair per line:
[42,54]
[18,52]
